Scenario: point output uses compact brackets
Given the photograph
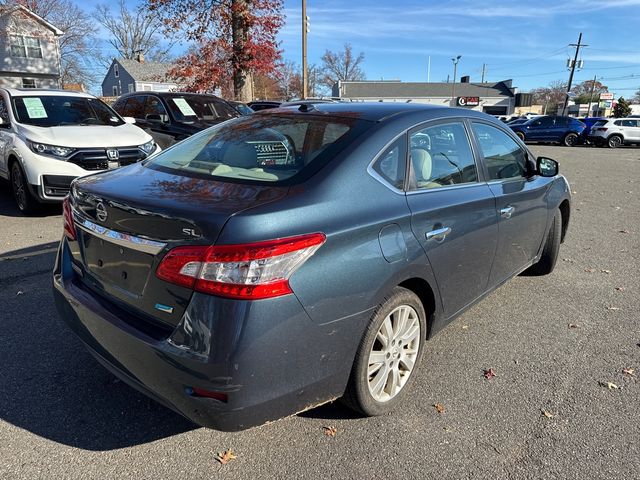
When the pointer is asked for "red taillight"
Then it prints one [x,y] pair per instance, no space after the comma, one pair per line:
[201,392]
[67,215]
[248,271]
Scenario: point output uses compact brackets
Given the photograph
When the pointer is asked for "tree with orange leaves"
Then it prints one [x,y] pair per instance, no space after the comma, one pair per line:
[233,39]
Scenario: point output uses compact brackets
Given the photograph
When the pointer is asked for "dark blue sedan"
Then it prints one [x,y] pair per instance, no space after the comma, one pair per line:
[285,259]
[551,129]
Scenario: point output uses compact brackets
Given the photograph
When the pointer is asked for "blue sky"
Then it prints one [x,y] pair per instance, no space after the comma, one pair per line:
[526,41]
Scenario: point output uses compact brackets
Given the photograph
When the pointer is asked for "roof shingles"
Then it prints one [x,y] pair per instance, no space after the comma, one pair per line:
[147,71]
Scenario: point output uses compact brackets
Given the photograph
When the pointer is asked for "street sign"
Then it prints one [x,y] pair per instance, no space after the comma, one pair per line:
[468,101]
[606,96]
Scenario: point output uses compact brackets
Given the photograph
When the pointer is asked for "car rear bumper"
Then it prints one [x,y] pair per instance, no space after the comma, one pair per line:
[266,356]
[596,139]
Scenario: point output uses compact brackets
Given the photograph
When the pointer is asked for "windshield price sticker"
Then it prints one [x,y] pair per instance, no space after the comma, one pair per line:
[35,108]
[184,107]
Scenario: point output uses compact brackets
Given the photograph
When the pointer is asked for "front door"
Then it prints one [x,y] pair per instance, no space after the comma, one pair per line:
[540,129]
[453,212]
[521,202]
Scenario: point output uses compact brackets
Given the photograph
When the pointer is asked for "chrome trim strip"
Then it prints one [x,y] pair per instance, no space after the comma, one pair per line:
[122,239]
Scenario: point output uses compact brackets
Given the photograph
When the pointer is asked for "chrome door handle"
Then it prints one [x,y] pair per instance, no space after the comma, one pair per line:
[439,234]
[506,212]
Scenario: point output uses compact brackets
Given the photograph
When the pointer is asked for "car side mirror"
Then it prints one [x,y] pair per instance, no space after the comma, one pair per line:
[546,167]
[154,117]
[130,120]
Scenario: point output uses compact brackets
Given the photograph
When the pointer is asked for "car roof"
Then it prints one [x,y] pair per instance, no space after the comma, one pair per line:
[375,111]
[28,92]
[171,94]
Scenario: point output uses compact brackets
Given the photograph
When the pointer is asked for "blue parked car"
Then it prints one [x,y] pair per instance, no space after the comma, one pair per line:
[284,259]
[550,128]
[589,122]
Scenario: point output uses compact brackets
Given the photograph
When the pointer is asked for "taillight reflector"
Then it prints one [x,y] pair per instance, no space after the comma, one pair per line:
[67,216]
[246,271]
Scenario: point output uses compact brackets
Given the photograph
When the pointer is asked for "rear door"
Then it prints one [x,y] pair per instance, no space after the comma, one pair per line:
[453,212]
[521,201]
[631,130]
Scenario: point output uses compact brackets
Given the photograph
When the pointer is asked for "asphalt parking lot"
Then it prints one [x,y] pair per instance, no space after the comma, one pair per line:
[560,405]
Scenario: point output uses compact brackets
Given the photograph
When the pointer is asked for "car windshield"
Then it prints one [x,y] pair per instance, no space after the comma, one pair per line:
[192,108]
[63,110]
[260,148]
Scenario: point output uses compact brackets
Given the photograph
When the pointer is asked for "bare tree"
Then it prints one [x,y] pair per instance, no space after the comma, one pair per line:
[550,96]
[342,66]
[76,44]
[289,80]
[134,31]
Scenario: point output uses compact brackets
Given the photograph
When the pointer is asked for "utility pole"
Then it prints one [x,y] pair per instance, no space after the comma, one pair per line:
[305,26]
[429,70]
[593,87]
[565,107]
[484,65]
[455,69]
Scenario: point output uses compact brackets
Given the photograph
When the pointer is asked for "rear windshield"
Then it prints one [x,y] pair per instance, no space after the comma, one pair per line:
[191,108]
[58,111]
[600,122]
[260,148]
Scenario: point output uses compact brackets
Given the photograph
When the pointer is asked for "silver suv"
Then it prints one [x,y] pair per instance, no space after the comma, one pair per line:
[615,132]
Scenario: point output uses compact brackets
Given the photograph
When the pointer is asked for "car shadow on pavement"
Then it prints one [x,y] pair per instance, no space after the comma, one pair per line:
[50,385]
[8,206]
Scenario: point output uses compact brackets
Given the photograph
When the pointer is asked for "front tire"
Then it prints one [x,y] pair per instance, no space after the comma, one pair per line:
[615,141]
[549,256]
[25,201]
[389,354]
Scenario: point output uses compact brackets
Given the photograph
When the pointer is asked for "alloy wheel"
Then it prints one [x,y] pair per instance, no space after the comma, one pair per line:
[394,353]
[19,190]
[615,141]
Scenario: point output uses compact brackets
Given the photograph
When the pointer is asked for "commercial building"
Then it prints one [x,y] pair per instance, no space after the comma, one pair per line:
[495,98]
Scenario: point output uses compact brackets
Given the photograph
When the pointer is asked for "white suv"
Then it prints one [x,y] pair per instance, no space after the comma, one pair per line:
[615,132]
[50,137]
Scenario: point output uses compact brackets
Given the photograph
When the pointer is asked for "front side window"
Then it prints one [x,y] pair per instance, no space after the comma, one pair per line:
[440,156]
[503,157]
[260,148]
[60,110]
[154,110]
[543,122]
[392,162]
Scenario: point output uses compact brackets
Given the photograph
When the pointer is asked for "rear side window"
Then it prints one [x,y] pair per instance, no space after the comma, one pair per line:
[599,123]
[134,107]
[154,110]
[503,157]
[264,148]
[391,164]
[441,156]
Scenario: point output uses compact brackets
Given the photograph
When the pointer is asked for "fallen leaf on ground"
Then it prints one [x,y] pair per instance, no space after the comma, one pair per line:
[547,414]
[439,407]
[465,327]
[605,271]
[573,325]
[589,270]
[620,289]
[624,231]
[629,371]
[489,373]
[330,431]
[610,385]
[226,456]
[20,292]
[568,260]
[610,307]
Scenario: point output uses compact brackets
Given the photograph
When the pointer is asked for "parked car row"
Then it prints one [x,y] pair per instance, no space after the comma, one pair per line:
[569,131]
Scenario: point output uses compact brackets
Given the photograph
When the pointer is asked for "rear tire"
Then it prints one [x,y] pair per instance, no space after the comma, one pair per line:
[388,356]
[25,201]
[520,135]
[570,140]
[615,141]
[549,256]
